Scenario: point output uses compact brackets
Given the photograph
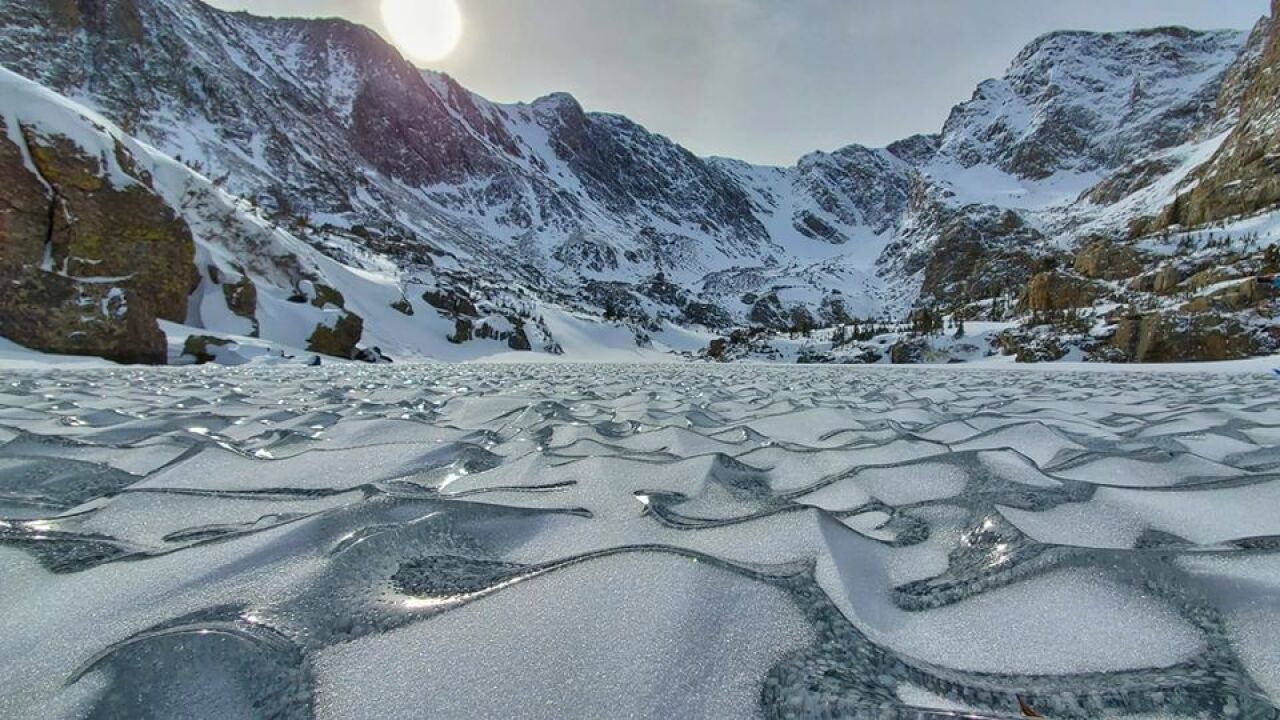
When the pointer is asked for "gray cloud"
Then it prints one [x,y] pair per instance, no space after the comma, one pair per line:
[766,80]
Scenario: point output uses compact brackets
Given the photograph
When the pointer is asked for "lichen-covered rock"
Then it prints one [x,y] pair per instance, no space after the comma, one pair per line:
[1159,338]
[1166,280]
[1236,298]
[1205,278]
[1104,260]
[199,347]
[88,264]
[1053,291]
[326,296]
[340,338]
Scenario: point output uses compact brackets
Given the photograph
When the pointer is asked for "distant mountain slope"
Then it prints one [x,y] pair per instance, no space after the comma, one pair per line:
[108,245]
[501,216]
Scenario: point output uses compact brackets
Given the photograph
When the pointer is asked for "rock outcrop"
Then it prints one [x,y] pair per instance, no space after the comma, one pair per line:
[1161,338]
[1105,260]
[90,256]
[339,338]
[1244,175]
[1053,291]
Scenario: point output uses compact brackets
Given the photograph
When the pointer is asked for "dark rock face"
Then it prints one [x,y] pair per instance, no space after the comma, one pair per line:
[451,302]
[857,186]
[242,300]
[767,312]
[462,331]
[88,267]
[976,252]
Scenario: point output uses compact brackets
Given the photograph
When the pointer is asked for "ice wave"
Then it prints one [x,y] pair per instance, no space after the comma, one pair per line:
[579,541]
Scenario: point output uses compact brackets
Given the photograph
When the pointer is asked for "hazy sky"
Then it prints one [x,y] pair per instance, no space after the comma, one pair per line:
[765,80]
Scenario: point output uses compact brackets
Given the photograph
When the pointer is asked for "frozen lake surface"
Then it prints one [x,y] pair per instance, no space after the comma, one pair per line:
[661,541]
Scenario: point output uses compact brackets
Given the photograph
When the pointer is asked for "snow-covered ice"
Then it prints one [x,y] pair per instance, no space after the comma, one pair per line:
[637,541]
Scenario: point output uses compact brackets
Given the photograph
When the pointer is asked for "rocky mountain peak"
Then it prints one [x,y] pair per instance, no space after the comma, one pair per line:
[1083,101]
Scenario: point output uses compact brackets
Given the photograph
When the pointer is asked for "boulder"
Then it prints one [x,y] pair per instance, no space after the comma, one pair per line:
[338,339]
[1052,291]
[1104,260]
[463,330]
[88,267]
[717,348]
[200,347]
[326,296]
[906,352]
[1166,280]
[519,339]
[373,356]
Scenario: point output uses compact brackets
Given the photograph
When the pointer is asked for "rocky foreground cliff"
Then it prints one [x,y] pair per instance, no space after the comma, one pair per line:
[185,183]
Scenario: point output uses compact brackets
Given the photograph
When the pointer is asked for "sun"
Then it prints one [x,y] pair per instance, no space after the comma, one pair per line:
[425,30]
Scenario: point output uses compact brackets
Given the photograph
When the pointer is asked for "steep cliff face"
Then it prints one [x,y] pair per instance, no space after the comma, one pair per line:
[1244,174]
[1085,132]
[1080,102]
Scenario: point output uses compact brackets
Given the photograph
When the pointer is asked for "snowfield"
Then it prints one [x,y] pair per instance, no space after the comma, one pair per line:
[684,541]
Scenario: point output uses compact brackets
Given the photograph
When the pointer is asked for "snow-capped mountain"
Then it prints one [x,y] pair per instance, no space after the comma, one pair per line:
[496,219]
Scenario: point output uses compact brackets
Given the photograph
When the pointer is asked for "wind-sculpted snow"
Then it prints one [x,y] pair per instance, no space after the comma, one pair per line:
[576,541]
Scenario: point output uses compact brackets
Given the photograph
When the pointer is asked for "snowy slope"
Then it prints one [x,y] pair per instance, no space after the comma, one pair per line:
[234,241]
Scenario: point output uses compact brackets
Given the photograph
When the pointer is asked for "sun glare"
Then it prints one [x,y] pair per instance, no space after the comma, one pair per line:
[425,30]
